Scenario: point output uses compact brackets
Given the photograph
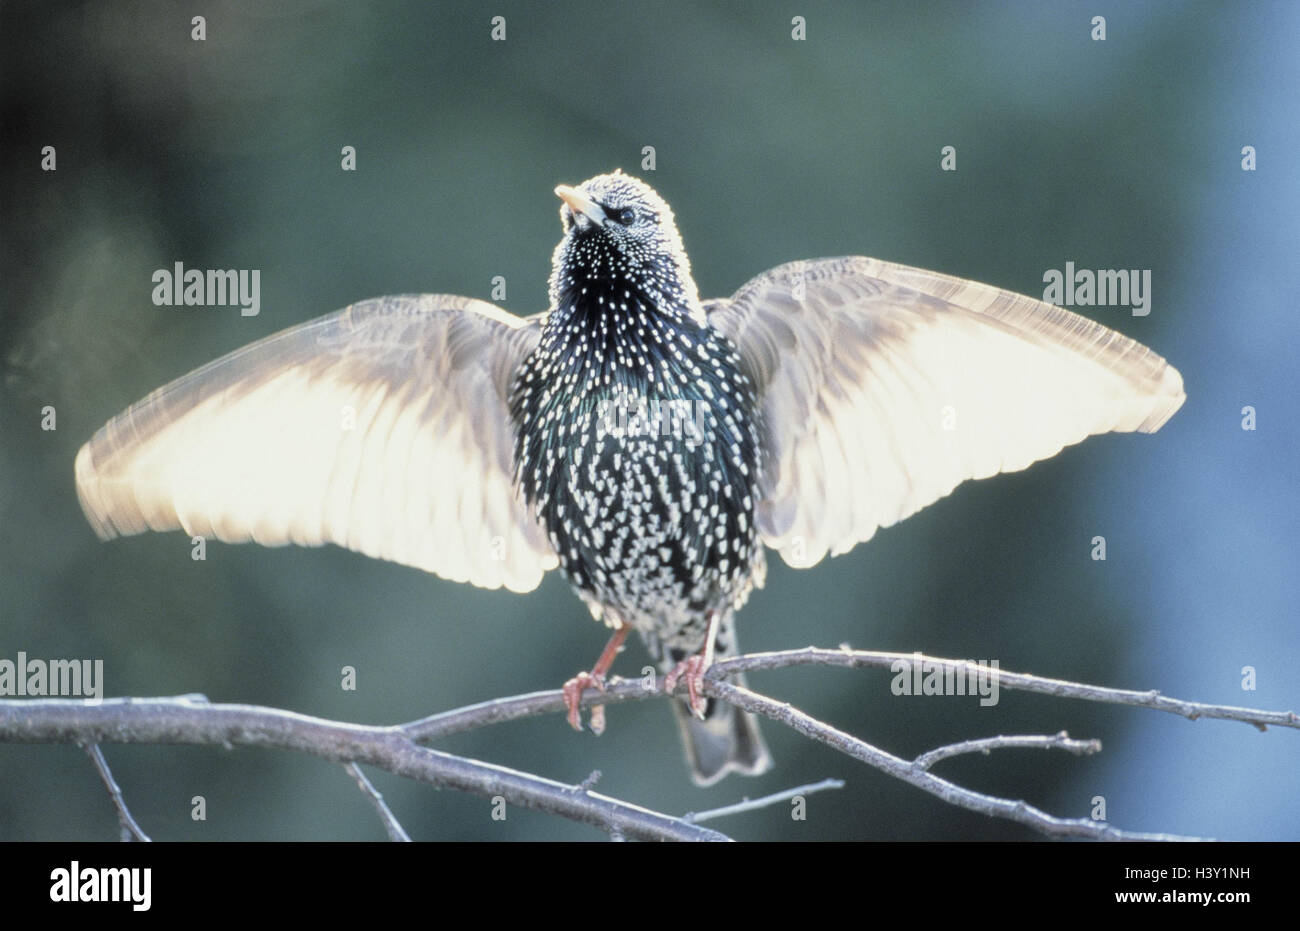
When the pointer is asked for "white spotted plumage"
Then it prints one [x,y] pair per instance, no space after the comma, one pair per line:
[647,523]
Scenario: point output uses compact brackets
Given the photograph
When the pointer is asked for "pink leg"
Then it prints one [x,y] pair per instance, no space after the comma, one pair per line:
[574,688]
[693,669]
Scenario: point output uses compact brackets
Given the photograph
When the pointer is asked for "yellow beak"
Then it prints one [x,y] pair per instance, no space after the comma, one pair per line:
[581,203]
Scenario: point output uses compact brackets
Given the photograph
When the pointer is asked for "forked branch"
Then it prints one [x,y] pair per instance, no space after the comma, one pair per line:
[397,749]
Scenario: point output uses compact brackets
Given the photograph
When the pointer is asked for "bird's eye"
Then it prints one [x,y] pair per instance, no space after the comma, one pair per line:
[626,216]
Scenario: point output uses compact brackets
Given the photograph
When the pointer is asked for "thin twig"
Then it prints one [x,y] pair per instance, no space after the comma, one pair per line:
[1061,741]
[185,721]
[392,826]
[499,710]
[1019,811]
[126,824]
[815,656]
[752,805]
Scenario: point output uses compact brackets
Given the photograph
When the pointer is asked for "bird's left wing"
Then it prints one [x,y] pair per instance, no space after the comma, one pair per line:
[382,428]
[884,386]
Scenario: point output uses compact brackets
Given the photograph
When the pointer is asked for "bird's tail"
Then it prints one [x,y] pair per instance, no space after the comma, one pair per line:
[728,739]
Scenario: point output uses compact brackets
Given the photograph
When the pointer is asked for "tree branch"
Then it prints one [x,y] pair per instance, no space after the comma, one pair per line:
[392,827]
[186,720]
[753,805]
[130,830]
[499,710]
[192,720]
[1061,741]
[1013,810]
[861,659]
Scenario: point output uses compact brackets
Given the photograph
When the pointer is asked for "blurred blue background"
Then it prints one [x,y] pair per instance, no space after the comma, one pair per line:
[225,154]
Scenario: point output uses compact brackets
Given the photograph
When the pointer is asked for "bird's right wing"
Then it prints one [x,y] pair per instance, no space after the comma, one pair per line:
[883,386]
[382,428]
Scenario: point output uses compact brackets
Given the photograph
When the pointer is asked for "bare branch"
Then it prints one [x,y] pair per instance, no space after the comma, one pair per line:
[773,799]
[130,830]
[814,656]
[190,719]
[498,710]
[187,721]
[1061,741]
[1019,811]
[392,826]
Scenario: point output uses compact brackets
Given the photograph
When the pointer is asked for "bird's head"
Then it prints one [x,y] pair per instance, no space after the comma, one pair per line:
[619,233]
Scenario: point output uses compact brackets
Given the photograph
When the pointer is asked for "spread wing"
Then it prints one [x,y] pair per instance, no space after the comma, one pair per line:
[382,428]
[885,386]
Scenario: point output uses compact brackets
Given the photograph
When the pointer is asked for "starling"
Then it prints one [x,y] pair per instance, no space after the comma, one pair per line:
[645,442]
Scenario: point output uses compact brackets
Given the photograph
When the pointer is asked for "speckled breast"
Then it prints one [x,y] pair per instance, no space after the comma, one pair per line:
[647,488]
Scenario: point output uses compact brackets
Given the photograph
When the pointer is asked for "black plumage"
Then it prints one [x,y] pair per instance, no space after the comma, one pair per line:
[637,442]
[652,523]
[647,443]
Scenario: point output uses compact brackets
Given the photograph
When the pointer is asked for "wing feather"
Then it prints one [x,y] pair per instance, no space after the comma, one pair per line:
[884,386]
[382,428]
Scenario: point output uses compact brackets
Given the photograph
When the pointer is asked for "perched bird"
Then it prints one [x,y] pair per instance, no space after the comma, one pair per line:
[647,443]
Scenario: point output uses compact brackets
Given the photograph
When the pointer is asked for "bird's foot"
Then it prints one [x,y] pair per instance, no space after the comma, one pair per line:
[692,669]
[574,688]
[572,692]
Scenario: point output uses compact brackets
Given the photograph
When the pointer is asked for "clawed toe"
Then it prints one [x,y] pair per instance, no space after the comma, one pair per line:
[573,690]
[692,669]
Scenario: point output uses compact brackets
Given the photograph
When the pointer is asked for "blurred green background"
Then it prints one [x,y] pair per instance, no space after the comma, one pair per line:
[225,154]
